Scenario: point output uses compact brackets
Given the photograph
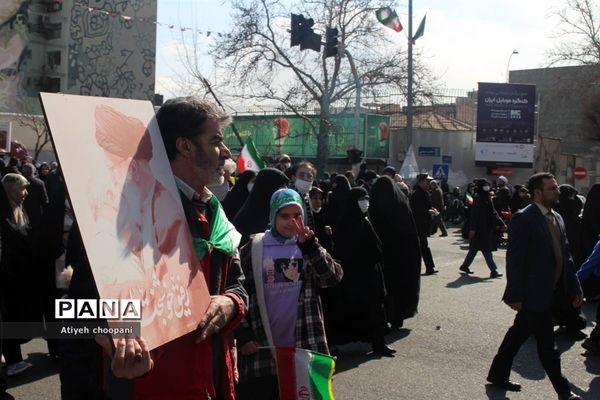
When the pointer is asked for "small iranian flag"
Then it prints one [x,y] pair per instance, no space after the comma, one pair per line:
[469,198]
[389,18]
[304,375]
[249,158]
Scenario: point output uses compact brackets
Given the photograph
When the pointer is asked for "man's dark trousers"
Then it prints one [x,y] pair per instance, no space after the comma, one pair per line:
[426,253]
[526,323]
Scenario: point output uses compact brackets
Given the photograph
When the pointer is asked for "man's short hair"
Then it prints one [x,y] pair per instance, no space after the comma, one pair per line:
[536,181]
[28,169]
[183,117]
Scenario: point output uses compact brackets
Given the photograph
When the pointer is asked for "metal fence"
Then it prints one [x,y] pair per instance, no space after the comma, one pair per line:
[438,109]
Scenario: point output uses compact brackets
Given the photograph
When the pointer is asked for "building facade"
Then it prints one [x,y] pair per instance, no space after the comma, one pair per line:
[568,123]
[85,47]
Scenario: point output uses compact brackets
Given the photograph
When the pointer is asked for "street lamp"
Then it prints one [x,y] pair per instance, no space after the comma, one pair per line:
[508,64]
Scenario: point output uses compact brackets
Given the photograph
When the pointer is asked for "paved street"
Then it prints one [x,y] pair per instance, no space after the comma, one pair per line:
[443,353]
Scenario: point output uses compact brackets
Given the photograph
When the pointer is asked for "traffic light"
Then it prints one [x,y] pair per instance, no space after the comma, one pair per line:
[331,42]
[303,35]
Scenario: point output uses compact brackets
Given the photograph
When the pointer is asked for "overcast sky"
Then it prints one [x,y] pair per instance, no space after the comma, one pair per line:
[465,41]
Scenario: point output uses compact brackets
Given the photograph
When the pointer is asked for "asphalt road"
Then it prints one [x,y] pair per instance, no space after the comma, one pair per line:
[443,353]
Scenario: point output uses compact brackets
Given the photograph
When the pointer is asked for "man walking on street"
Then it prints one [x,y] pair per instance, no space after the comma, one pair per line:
[420,203]
[437,201]
[538,267]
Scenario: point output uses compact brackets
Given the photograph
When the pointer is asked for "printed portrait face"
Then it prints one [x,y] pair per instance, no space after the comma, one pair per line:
[288,270]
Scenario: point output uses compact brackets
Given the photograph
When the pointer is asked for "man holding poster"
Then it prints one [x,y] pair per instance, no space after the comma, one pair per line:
[200,364]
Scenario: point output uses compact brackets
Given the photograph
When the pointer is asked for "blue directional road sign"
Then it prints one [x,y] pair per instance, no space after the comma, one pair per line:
[440,171]
[447,159]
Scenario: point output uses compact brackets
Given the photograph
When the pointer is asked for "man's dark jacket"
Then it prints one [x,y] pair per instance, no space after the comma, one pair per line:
[530,262]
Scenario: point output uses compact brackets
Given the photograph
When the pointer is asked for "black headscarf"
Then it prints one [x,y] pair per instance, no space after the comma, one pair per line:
[590,222]
[337,198]
[253,217]
[237,196]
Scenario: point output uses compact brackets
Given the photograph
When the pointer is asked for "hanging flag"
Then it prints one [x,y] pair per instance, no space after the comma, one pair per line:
[389,18]
[249,158]
[420,30]
[303,374]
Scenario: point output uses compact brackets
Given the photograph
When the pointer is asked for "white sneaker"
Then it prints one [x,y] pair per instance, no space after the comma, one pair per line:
[17,368]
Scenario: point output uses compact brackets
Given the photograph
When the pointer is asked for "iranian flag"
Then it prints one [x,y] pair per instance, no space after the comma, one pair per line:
[249,158]
[304,375]
[389,18]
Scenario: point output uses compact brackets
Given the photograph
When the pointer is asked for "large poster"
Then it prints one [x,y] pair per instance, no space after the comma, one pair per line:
[505,125]
[290,134]
[128,209]
[5,137]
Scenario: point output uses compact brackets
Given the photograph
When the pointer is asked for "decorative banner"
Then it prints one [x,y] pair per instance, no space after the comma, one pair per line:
[128,210]
[129,18]
[505,125]
[5,134]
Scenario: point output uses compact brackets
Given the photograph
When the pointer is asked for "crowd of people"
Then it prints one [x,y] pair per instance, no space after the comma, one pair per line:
[320,263]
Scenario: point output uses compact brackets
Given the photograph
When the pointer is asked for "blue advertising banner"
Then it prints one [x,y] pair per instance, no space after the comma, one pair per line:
[425,151]
[505,125]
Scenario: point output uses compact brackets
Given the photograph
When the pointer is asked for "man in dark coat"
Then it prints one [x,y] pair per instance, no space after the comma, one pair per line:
[437,201]
[420,204]
[538,264]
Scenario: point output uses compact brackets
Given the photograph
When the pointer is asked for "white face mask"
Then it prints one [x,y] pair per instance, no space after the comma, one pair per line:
[250,186]
[363,205]
[486,188]
[303,186]
[286,165]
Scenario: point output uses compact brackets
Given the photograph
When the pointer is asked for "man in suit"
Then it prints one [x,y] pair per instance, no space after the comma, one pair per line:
[420,204]
[538,266]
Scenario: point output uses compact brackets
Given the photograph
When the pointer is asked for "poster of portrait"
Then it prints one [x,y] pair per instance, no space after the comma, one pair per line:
[5,137]
[128,209]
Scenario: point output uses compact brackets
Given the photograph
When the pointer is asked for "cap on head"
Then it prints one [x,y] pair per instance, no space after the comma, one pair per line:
[389,170]
[423,177]
[503,179]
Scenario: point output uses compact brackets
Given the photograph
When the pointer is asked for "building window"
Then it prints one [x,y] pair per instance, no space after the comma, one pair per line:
[54,58]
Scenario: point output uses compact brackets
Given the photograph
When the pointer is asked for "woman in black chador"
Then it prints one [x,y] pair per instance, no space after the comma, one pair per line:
[362,316]
[482,229]
[237,196]
[394,224]
[590,222]
[569,207]
[253,217]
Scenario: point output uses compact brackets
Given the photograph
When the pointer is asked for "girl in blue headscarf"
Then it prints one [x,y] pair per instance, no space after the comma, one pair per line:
[285,267]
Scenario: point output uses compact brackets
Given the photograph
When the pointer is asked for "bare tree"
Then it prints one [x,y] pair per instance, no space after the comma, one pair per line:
[37,124]
[578,37]
[263,68]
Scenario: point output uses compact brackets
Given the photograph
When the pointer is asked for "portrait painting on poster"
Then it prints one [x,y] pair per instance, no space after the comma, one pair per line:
[128,210]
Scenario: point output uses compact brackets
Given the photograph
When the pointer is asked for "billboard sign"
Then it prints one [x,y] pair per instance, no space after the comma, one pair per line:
[505,125]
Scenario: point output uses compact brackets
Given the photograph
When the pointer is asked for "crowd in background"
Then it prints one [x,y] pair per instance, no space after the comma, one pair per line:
[375,225]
